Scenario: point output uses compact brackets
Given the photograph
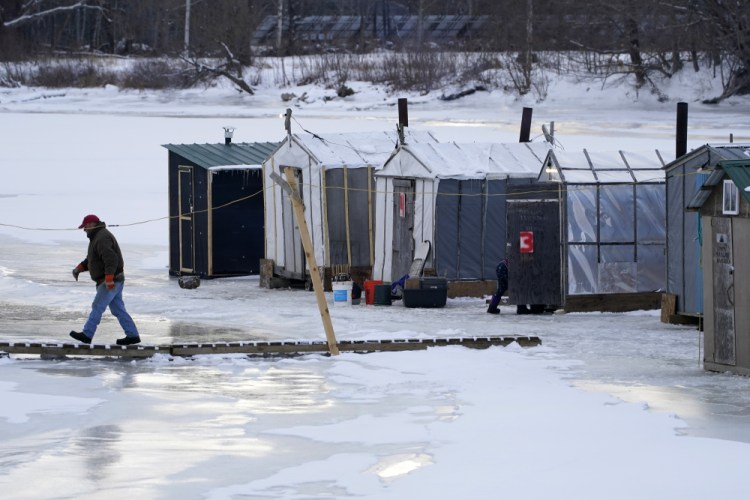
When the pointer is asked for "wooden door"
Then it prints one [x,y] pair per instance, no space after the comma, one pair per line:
[534,251]
[723,292]
[403,228]
[294,252]
[186,219]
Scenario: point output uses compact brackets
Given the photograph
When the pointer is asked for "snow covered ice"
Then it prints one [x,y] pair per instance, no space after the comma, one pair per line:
[610,406]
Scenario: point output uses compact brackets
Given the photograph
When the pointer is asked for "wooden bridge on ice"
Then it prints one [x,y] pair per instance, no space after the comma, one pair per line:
[256,348]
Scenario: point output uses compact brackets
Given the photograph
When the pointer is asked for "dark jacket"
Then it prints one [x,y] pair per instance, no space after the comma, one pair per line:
[104,255]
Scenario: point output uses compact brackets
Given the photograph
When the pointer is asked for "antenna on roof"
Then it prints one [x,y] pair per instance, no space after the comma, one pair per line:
[549,135]
[288,121]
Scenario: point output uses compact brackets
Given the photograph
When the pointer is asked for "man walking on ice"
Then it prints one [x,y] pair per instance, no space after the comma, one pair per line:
[105,265]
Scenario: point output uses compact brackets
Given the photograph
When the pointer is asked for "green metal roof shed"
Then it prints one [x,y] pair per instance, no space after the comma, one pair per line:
[738,172]
[723,203]
[216,208]
[216,155]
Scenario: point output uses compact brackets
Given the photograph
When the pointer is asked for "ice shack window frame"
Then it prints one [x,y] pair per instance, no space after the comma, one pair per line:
[731,198]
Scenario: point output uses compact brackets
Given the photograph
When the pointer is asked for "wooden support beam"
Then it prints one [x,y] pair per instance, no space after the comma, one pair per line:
[324,202]
[299,214]
[370,217]
[346,218]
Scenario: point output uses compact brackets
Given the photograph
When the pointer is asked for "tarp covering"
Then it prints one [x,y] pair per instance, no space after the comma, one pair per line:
[459,202]
[348,207]
[449,160]
[615,212]
[316,158]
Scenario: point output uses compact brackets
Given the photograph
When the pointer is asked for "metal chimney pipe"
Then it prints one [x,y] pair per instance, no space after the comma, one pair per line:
[526,125]
[228,131]
[403,112]
[682,126]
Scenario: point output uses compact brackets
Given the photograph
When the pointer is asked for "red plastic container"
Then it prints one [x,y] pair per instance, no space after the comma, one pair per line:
[370,290]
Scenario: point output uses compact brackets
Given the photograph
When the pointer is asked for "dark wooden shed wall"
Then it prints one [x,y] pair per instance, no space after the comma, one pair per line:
[237,233]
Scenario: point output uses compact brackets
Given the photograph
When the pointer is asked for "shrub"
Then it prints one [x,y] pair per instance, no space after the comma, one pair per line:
[158,74]
[70,73]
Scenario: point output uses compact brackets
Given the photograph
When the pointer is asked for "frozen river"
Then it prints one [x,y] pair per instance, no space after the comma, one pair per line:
[371,425]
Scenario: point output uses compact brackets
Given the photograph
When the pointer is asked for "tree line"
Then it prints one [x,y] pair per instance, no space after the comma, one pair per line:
[639,37]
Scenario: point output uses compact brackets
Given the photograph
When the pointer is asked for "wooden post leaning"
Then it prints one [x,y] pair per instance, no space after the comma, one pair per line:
[290,186]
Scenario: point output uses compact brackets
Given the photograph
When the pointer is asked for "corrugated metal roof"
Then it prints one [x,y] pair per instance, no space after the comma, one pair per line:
[714,153]
[216,155]
[737,170]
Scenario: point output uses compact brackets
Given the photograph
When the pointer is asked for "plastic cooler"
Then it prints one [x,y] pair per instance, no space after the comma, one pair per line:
[432,292]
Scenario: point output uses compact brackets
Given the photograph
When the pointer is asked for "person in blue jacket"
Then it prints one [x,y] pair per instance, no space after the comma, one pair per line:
[502,286]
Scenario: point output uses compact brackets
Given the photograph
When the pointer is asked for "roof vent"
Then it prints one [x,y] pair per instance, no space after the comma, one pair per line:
[228,132]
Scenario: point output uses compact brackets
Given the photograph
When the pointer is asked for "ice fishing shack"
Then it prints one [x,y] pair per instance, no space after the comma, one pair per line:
[609,235]
[723,204]
[335,178]
[452,196]
[685,178]
[216,208]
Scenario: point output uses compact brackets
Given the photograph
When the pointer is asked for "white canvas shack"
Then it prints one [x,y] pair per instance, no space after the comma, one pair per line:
[451,195]
[335,178]
[612,213]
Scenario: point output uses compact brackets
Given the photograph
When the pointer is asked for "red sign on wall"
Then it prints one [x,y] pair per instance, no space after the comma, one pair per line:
[402,205]
[527,242]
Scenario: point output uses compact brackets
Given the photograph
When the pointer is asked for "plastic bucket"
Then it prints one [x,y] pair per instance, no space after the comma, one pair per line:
[383,295]
[370,290]
[342,293]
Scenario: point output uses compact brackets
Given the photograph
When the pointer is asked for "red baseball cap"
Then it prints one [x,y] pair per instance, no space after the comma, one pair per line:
[87,219]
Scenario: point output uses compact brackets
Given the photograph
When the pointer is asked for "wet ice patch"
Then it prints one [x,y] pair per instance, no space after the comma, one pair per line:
[18,407]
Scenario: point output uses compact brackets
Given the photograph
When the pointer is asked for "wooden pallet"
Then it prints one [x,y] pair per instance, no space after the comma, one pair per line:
[51,349]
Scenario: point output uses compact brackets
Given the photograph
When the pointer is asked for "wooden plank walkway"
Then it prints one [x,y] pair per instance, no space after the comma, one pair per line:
[54,349]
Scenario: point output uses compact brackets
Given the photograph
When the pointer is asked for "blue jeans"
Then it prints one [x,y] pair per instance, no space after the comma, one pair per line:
[113,299]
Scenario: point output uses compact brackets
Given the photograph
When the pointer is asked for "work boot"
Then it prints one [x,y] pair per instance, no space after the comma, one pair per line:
[128,340]
[81,337]
[493,310]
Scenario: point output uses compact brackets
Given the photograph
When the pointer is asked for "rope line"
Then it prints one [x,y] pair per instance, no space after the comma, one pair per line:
[574,187]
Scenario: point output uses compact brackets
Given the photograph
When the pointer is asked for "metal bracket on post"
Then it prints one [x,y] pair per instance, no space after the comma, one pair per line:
[290,187]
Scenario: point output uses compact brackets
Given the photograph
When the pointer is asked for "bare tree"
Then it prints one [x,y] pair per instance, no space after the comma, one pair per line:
[728,25]
[186,49]
[35,10]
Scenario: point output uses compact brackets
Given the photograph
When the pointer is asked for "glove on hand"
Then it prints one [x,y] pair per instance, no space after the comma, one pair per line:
[77,270]
[109,280]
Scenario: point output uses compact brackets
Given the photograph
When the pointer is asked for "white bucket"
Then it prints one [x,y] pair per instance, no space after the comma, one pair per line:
[342,293]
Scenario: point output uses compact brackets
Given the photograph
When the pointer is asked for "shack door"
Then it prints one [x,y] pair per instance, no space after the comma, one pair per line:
[723,292]
[403,227]
[185,218]
[294,252]
[533,241]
